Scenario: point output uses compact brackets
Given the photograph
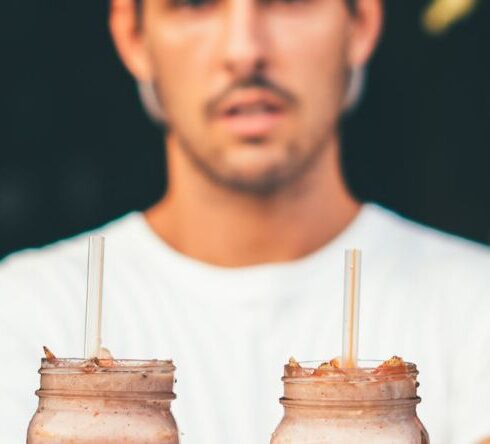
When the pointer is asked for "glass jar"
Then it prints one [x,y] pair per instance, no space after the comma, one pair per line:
[364,405]
[104,401]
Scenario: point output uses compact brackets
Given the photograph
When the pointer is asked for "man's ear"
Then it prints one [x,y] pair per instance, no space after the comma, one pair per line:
[126,29]
[367,23]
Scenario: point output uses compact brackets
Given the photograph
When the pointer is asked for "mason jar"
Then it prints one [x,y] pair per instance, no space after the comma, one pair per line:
[372,404]
[104,401]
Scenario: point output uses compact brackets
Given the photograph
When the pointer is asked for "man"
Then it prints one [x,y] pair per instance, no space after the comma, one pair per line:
[240,264]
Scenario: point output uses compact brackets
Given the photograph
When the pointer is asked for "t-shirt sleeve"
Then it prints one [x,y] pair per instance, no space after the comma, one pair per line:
[19,363]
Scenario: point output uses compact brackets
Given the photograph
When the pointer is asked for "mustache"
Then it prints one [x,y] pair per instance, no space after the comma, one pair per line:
[255,81]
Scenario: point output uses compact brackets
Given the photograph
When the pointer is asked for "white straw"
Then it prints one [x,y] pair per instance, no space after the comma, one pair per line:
[350,338]
[93,314]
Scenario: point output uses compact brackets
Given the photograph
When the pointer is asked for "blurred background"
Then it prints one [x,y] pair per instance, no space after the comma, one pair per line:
[77,150]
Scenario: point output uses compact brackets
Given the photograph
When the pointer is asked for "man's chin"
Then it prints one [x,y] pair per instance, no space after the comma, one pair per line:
[257,156]
[264,185]
[260,168]
[257,169]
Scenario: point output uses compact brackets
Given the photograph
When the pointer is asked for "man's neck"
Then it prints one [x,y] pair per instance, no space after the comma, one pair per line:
[209,223]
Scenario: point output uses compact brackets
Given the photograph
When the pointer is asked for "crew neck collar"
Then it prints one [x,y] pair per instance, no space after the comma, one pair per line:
[194,273]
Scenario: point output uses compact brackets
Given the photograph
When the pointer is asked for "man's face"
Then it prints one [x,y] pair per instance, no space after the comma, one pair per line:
[252,89]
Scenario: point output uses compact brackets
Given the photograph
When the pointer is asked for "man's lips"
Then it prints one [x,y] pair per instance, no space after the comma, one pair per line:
[251,113]
[249,101]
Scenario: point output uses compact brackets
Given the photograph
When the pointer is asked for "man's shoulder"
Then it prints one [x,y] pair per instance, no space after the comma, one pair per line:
[63,258]
[400,229]
[431,255]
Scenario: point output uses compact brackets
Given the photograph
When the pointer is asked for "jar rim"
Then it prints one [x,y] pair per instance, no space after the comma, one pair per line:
[80,365]
[367,370]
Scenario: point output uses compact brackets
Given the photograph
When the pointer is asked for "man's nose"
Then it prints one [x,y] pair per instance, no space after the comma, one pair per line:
[244,52]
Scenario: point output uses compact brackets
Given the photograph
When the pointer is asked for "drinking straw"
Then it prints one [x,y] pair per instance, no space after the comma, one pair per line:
[350,337]
[93,314]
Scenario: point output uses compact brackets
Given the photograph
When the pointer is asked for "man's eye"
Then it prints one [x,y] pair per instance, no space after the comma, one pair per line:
[190,3]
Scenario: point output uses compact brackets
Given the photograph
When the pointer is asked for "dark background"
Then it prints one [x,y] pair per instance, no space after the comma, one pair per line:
[77,150]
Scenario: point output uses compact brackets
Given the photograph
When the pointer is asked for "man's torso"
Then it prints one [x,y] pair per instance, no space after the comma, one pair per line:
[230,331]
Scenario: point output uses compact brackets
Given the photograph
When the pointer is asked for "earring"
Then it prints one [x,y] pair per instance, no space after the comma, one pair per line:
[150,101]
[355,88]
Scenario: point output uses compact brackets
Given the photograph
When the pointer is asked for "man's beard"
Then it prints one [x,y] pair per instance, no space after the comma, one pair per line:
[271,181]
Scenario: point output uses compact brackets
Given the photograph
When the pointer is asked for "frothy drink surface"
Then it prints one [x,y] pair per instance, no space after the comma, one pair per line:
[104,401]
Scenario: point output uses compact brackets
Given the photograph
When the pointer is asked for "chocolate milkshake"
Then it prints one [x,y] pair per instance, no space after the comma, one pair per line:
[369,404]
[104,401]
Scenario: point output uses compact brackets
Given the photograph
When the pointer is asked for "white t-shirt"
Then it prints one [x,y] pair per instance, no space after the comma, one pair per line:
[425,297]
